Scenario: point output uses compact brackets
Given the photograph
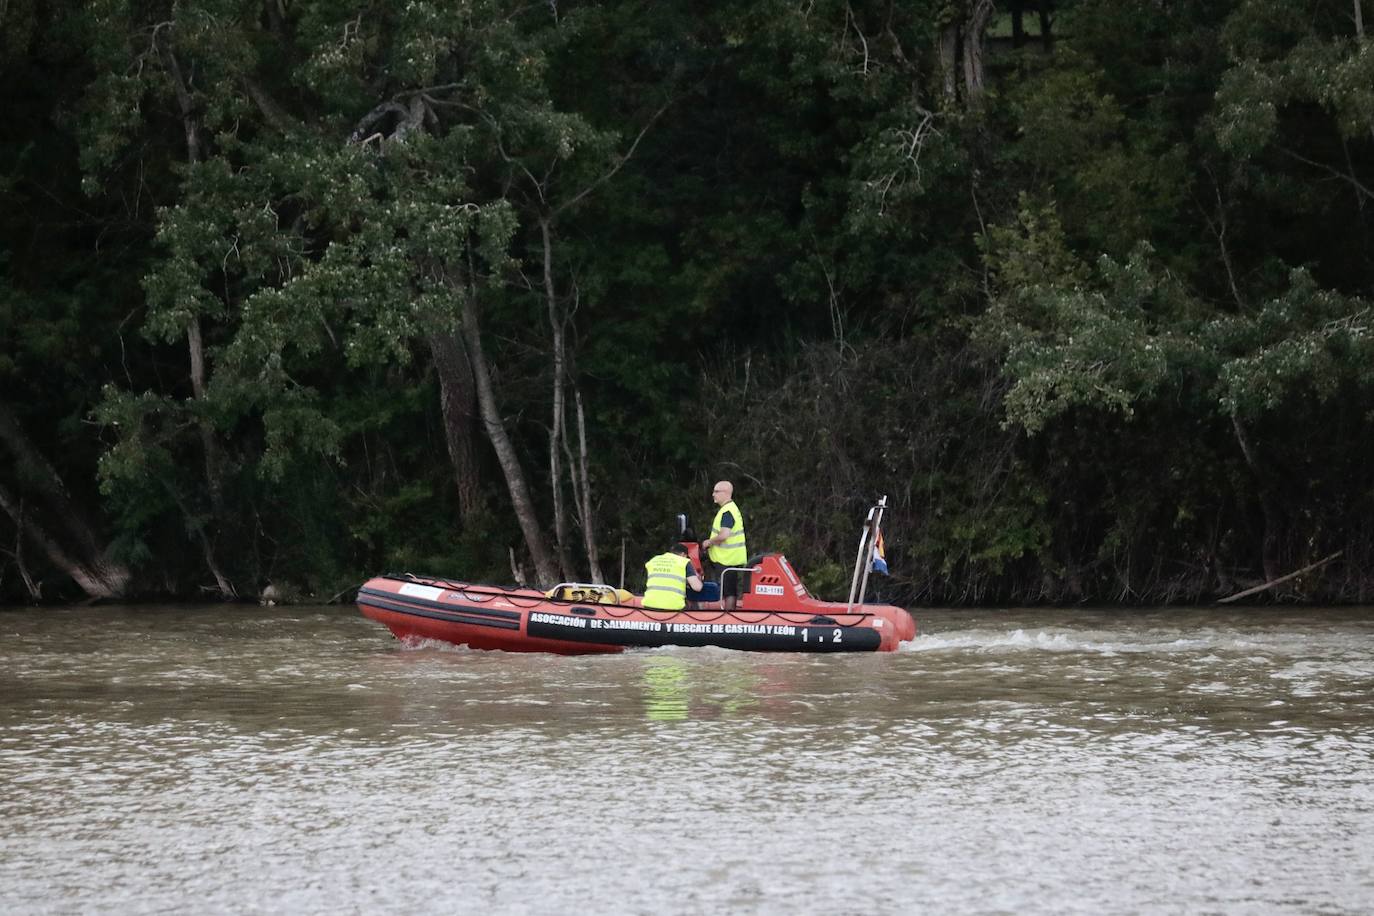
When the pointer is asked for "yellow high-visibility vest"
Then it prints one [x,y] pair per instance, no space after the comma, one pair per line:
[666,587]
[732,551]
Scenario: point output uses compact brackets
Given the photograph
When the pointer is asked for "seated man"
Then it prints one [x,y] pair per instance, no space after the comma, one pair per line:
[669,575]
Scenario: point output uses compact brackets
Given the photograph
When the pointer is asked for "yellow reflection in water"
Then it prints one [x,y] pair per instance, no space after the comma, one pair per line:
[665,689]
[675,690]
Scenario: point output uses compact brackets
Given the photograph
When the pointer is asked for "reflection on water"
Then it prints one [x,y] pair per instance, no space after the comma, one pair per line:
[665,689]
[675,690]
[1013,761]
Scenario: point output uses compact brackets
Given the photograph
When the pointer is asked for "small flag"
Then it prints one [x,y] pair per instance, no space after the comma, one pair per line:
[880,556]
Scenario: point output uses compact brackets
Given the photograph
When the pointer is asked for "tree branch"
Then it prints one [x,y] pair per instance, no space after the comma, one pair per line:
[276,115]
[1349,179]
[1280,580]
[578,197]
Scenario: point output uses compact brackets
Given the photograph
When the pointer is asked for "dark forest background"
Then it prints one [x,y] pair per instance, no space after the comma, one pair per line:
[297,291]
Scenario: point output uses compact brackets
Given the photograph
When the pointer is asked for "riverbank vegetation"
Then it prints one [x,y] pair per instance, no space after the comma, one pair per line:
[297,291]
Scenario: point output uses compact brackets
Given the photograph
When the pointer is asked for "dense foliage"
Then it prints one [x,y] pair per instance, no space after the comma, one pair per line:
[295,291]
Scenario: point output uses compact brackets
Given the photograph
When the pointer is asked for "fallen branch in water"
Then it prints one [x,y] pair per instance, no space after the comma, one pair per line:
[1280,580]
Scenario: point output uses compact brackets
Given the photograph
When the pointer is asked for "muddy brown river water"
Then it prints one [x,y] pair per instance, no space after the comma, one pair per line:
[300,760]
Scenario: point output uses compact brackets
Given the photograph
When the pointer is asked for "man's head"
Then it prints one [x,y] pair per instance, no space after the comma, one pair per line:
[678,548]
[723,493]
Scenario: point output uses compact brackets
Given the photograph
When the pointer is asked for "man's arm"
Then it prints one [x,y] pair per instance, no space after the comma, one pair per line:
[727,522]
[717,538]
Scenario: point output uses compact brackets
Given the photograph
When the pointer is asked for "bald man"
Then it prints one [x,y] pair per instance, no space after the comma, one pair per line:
[726,546]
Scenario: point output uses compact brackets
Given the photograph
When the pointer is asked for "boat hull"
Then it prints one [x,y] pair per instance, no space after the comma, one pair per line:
[524,620]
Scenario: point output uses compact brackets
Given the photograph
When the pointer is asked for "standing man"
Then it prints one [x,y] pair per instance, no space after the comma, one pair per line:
[668,576]
[725,546]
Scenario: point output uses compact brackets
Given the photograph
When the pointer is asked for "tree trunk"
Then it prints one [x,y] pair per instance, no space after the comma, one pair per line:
[974,27]
[506,456]
[458,402]
[44,479]
[588,529]
[97,575]
[557,425]
[949,61]
[517,572]
[222,584]
[1359,37]
[210,451]
[545,214]
[1269,546]
[33,586]
[1046,26]
[275,18]
[195,344]
[188,118]
[213,478]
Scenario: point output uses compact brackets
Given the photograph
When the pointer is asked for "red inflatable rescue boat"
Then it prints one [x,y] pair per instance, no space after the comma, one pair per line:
[775,613]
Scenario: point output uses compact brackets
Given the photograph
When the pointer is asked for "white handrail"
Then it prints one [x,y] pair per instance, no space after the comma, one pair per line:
[858,560]
[724,570]
[863,563]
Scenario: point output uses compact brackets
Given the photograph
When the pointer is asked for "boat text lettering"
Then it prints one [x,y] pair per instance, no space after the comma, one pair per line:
[559,620]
